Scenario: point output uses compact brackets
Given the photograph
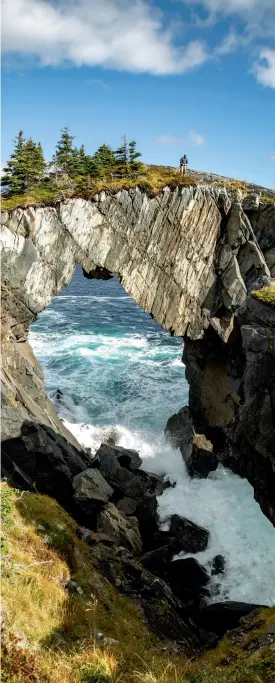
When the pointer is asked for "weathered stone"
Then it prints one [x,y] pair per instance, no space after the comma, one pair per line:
[179,428]
[201,460]
[180,256]
[128,506]
[217,565]
[190,536]
[123,531]
[187,578]
[251,202]
[224,616]
[91,486]
[127,458]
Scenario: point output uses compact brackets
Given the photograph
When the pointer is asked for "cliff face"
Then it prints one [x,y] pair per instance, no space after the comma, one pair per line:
[190,257]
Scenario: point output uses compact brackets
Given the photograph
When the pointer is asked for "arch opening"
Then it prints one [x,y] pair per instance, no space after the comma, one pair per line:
[120,377]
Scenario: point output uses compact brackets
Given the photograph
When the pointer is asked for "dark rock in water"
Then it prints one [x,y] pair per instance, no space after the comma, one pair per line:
[127,505]
[127,458]
[58,394]
[224,616]
[46,458]
[148,518]
[187,578]
[202,459]
[217,565]
[178,426]
[156,560]
[154,483]
[191,537]
[124,481]
[196,449]
[162,538]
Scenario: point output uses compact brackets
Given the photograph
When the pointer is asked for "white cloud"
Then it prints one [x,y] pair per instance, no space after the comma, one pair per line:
[168,139]
[264,68]
[272,157]
[119,34]
[195,138]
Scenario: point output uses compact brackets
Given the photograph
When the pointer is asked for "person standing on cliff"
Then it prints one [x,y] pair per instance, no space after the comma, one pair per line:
[183,164]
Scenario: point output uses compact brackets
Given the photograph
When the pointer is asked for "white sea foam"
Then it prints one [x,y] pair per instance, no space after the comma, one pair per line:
[223,503]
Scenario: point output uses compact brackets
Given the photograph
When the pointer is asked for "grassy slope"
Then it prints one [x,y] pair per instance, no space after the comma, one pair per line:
[152,179]
[58,629]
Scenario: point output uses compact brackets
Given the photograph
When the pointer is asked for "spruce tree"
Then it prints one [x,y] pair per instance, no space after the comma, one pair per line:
[134,155]
[15,171]
[65,153]
[34,162]
[104,156]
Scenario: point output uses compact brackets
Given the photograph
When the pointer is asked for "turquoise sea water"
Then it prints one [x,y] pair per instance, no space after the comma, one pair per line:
[121,374]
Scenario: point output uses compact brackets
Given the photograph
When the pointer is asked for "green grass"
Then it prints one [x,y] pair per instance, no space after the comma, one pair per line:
[58,629]
[266,294]
[152,179]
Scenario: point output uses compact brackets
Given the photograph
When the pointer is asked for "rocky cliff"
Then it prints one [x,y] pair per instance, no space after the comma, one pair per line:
[192,258]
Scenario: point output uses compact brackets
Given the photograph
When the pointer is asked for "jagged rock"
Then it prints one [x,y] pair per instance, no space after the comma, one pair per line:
[179,428]
[127,505]
[90,490]
[127,458]
[187,578]
[156,560]
[113,523]
[196,449]
[91,485]
[251,202]
[224,616]
[154,483]
[148,518]
[191,537]
[202,460]
[234,293]
[217,565]
[252,264]
[178,255]
[269,255]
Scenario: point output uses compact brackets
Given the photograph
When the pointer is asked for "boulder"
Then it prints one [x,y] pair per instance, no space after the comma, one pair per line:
[196,449]
[127,458]
[224,616]
[148,518]
[156,560]
[217,565]
[187,578]
[154,483]
[190,537]
[201,460]
[90,491]
[121,530]
[127,505]
[179,428]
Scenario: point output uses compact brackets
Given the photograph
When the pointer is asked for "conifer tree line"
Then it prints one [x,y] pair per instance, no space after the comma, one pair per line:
[27,166]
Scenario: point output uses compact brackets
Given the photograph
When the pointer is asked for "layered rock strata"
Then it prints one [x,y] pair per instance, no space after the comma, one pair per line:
[192,258]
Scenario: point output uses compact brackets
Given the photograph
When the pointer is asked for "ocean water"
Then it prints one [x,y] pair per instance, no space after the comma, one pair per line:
[120,374]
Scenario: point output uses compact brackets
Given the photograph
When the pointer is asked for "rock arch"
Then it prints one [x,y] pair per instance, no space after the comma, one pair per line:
[187,256]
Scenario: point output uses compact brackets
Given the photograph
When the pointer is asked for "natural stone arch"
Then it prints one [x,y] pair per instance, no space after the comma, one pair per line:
[162,248]
[187,256]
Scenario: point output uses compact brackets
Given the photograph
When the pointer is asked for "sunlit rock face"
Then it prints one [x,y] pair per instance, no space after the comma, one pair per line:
[188,256]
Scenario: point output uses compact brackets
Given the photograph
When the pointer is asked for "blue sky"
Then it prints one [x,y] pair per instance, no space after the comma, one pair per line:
[177,75]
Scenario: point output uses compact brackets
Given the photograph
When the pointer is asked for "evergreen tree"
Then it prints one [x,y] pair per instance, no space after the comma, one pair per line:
[14,172]
[104,156]
[25,167]
[133,154]
[122,153]
[82,160]
[65,152]
[34,162]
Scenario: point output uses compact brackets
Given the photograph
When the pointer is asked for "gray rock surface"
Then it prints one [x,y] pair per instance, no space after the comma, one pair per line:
[121,530]
[188,256]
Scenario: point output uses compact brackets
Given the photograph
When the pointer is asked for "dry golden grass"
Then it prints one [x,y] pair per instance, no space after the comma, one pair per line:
[152,179]
[59,628]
